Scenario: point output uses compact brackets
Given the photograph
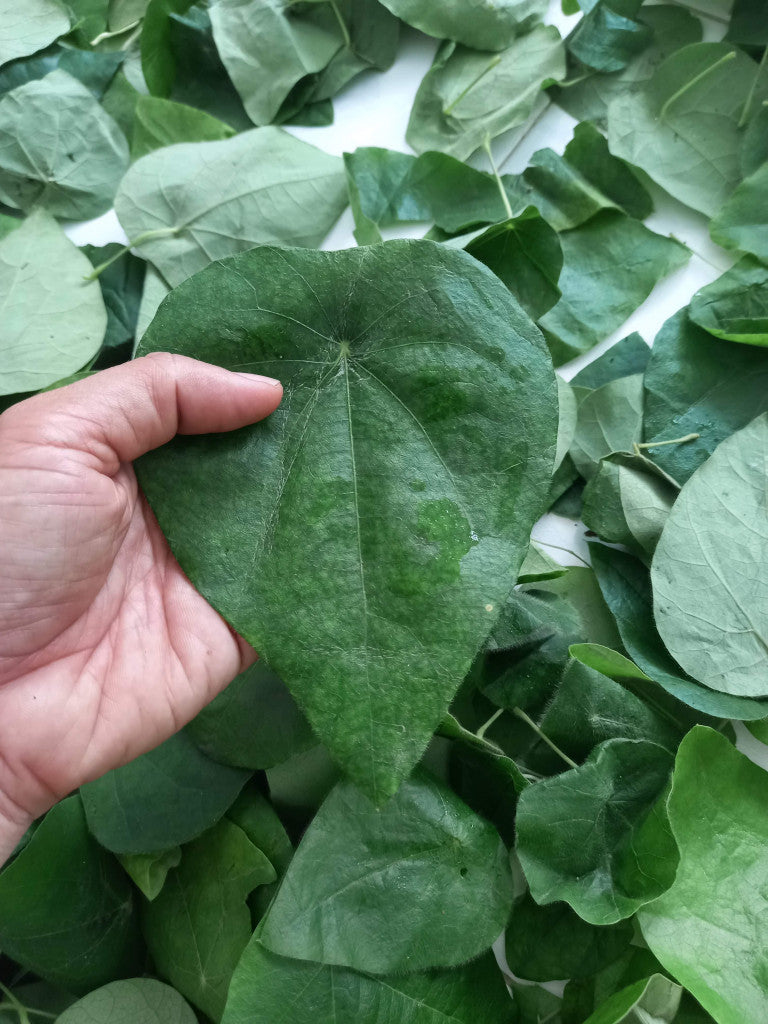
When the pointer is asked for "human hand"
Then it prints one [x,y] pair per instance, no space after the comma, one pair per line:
[106,648]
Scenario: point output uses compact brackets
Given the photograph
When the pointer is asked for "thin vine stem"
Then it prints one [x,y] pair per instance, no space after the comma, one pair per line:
[659,444]
[497,176]
[146,236]
[543,736]
[487,725]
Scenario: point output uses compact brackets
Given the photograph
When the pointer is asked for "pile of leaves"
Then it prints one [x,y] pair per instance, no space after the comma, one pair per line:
[449,736]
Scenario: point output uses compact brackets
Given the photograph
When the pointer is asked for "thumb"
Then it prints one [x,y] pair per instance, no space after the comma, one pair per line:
[117,415]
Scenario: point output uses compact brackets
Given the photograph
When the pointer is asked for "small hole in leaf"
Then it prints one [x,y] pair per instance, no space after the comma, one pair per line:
[463,872]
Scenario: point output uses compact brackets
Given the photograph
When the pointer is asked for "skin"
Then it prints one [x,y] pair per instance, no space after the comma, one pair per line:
[106,648]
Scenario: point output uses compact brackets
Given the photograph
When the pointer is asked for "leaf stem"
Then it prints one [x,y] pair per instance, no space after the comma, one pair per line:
[484,728]
[113,35]
[542,736]
[447,110]
[502,190]
[146,236]
[342,24]
[658,444]
[15,1004]
[725,59]
[748,105]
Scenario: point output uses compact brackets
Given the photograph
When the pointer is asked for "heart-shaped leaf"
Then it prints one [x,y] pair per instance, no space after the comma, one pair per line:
[365,536]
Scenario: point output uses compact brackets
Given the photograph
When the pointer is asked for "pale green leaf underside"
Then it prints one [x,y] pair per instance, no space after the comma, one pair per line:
[136,1001]
[481,24]
[364,537]
[29,26]
[51,320]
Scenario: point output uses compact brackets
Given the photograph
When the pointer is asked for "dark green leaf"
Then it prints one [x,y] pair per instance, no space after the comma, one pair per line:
[551,943]
[387,188]
[199,925]
[94,69]
[709,598]
[122,283]
[468,96]
[698,384]
[157,59]
[162,122]
[596,836]
[30,26]
[138,1001]
[667,127]
[373,647]
[53,322]
[401,886]
[66,907]
[207,200]
[610,267]
[254,723]
[626,587]
[708,929]
[270,989]
[608,37]
[754,144]
[747,26]
[742,223]
[256,816]
[58,149]
[162,799]
[625,358]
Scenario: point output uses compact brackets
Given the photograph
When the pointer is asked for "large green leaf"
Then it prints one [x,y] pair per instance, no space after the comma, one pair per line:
[53,321]
[742,223]
[609,419]
[682,128]
[709,930]
[416,435]
[66,907]
[654,1000]
[254,723]
[610,266]
[199,925]
[161,799]
[162,122]
[710,594]
[270,989]
[469,96]
[735,306]
[626,587]
[421,883]
[387,187]
[59,149]
[594,836]
[267,49]
[551,943]
[698,384]
[30,26]
[483,26]
[207,200]
[137,1001]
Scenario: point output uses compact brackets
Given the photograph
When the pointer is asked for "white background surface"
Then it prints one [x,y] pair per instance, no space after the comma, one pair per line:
[374,111]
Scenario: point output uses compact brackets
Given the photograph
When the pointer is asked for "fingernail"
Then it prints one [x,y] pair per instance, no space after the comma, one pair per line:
[256,378]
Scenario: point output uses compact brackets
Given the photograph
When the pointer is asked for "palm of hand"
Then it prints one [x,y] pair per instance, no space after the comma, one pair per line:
[106,648]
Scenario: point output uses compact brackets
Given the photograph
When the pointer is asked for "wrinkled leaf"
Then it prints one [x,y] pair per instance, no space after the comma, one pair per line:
[30,26]
[711,937]
[610,266]
[199,925]
[254,723]
[163,798]
[137,1001]
[709,589]
[468,96]
[59,149]
[698,384]
[421,883]
[594,836]
[270,989]
[66,908]
[53,321]
[376,646]
[682,127]
[207,200]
